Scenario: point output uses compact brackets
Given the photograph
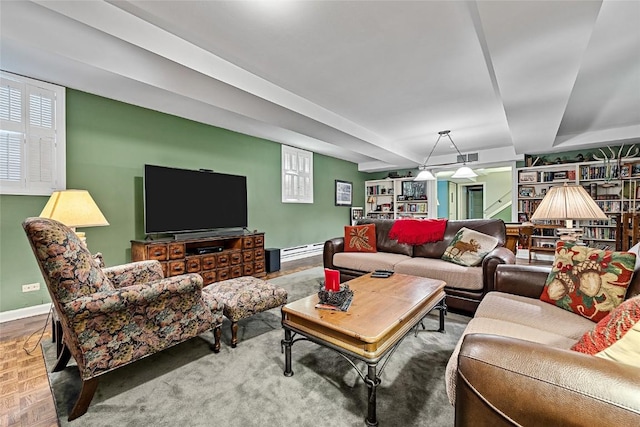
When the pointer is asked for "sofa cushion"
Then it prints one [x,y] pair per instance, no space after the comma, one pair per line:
[617,336]
[469,247]
[503,328]
[588,281]
[534,313]
[362,261]
[383,242]
[360,238]
[456,276]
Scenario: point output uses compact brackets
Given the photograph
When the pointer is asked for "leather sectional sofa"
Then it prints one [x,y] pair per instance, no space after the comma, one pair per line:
[513,365]
[466,286]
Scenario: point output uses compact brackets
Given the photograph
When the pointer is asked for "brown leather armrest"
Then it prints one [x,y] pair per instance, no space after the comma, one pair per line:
[524,280]
[331,247]
[491,261]
[507,381]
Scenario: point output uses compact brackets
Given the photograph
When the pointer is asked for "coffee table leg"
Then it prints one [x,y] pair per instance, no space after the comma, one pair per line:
[442,306]
[372,382]
[286,343]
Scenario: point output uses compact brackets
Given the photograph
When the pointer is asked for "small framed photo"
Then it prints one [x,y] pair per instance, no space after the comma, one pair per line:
[635,169]
[528,176]
[625,171]
[344,190]
[527,191]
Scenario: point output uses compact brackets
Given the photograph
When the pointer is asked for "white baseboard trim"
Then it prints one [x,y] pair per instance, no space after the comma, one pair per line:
[299,252]
[21,313]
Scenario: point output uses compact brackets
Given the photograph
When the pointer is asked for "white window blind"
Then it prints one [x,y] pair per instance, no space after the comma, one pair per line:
[32,145]
[297,175]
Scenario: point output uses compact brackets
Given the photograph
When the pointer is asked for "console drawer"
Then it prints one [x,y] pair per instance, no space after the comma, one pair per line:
[247,242]
[193,264]
[222,260]
[236,258]
[208,277]
[176,250]
[247,256]
[258,267]
[158,252]
[236,271]
[208,262]
[175,268]
[223,274]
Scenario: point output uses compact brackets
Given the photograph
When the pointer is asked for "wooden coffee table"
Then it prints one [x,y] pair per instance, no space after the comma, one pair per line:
[382,313]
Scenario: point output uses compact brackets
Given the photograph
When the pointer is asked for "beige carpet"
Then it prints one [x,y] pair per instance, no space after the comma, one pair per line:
[188,385]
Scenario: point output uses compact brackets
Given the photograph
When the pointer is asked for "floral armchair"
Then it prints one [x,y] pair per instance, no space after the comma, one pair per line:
[114,316]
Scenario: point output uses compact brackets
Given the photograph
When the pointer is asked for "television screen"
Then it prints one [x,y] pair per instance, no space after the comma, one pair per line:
[182,200]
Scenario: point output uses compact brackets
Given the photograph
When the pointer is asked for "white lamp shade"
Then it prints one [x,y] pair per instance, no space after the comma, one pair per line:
[568,202]
[425,175]
[74,208]
[464,172]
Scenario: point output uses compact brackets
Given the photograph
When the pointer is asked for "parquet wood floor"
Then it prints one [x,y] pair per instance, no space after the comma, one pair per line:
[25,396]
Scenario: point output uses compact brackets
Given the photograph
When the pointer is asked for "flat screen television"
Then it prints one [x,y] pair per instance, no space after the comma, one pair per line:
[183,200]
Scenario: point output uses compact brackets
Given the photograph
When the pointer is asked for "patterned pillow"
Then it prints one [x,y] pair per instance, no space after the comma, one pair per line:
[469,247]
[587,281]
[617,336]
[360,238]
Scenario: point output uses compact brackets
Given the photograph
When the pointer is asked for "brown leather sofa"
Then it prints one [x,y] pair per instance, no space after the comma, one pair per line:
[465,285]
[503,380]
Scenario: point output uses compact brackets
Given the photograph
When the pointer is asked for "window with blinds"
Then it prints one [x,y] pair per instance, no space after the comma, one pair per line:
[32,136]
[297,175]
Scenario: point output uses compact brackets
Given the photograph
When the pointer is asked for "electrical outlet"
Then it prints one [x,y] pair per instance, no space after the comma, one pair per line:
[31,287]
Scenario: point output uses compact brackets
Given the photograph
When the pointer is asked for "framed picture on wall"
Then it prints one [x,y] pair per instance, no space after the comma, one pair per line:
[343,193]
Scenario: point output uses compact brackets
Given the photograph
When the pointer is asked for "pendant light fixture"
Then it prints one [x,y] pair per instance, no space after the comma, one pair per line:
[463,172]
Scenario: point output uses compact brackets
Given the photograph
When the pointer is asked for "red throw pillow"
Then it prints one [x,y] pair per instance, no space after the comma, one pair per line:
[587,281]
[615,337]
[360,238]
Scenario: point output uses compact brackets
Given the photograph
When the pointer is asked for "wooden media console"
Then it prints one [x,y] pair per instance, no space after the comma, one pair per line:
[214,258]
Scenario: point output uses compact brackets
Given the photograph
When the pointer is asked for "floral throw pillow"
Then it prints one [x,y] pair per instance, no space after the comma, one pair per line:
[360,238]
[617,336]
[587,281]
[469,247]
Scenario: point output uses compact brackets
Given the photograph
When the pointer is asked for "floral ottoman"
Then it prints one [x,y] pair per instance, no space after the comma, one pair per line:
[216,307]
[243,297]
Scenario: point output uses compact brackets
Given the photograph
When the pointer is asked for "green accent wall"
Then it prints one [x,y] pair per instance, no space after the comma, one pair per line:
[108,143]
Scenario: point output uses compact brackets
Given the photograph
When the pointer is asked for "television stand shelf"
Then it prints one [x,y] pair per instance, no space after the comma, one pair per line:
[237,255]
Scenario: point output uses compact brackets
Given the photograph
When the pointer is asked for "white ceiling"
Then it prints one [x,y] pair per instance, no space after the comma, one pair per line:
[371,82]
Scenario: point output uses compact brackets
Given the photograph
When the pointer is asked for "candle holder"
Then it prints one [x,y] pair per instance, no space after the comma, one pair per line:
[336,298]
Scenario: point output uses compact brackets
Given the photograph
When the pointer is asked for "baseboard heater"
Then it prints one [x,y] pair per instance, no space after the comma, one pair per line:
[303,251]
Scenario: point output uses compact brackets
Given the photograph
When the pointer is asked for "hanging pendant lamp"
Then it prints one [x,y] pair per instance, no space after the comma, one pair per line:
[463,172]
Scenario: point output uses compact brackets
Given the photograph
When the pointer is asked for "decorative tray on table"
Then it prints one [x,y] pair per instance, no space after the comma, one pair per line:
[335,300]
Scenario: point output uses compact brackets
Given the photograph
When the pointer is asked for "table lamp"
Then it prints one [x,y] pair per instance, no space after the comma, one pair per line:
[74,208]
[568,202]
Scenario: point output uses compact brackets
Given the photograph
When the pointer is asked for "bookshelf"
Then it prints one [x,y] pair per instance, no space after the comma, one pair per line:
[615,187]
